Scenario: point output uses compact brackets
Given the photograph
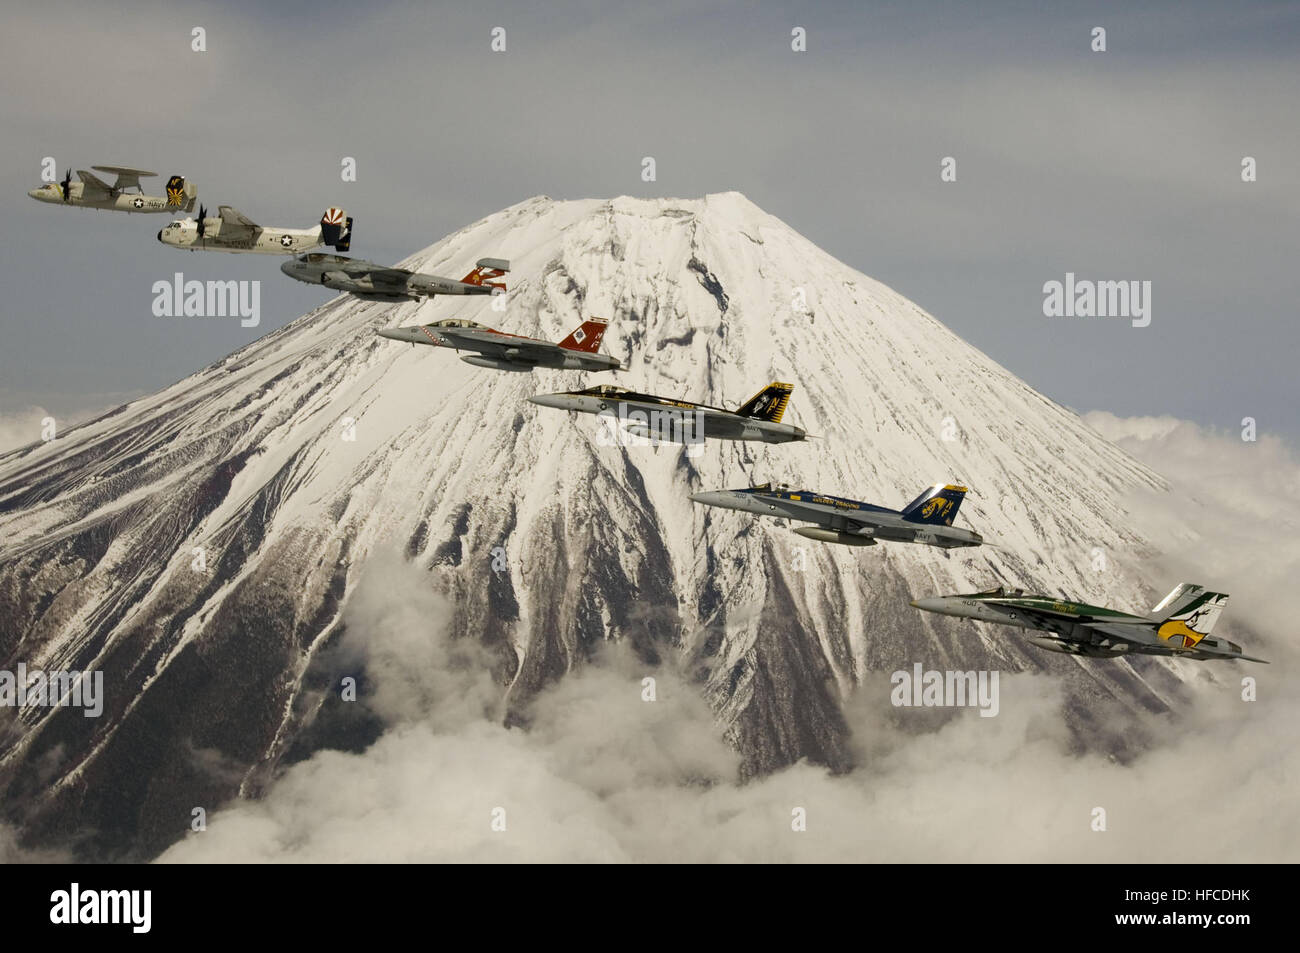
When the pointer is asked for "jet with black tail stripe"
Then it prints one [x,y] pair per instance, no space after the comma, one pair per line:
[926,520]
[758,418]
[1178,626]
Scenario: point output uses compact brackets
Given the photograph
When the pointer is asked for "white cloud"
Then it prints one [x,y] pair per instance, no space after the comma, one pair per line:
[1232,522]
[21,427]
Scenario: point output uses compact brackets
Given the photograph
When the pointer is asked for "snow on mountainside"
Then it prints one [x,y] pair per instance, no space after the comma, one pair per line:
[251,460]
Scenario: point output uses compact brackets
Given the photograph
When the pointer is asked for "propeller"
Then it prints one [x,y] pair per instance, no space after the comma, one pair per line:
[67,185]
[201,227]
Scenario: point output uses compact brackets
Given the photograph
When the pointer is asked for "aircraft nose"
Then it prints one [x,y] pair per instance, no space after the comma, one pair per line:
[558,401]
[711,497]
[933,604]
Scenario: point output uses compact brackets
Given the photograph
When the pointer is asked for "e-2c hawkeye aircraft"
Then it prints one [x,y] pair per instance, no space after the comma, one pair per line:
[1178,626]
[365,279]
[513,352]
[234,231]
[927,519]
[124,195]
[759,418]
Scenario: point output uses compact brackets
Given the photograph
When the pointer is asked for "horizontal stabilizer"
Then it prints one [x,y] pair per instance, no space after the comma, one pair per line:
[485,270]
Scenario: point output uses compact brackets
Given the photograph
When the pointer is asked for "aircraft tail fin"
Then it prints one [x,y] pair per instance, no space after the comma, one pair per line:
[938,504]
[181,194]
[1188,614]
[485,269]
[336,229]
[769,403]
[587,336]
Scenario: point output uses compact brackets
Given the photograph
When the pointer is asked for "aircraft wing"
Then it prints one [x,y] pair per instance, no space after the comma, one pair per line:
[1133,634]
[389,277]
[235,224]
[496,345]
[94,183]
[844,520]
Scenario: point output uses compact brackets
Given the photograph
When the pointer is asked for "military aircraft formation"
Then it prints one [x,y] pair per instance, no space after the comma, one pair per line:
[230,230]
[1179,626]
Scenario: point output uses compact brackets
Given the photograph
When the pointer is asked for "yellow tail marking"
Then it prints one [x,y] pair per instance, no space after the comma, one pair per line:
[1176,631]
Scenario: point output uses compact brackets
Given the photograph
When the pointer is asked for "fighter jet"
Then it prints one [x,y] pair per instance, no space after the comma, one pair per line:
[513,352]
[927,519]
[125,194]
[759,418]
[374,282]
[233,231]
[1179,625]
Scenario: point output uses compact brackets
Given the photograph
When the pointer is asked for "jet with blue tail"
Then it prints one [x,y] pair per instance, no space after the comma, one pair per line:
[926,520]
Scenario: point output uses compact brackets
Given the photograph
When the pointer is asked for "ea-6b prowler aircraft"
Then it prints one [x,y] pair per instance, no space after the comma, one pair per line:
[759,418]
[374,282]
[124,195]
[233,231]
[1179,625]
[513,352]
[927,519]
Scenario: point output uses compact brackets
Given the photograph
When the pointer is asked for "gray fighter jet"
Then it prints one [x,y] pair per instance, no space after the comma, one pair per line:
[124,195]
[1178,626]
[927,519]
[759,418]
[374,282]
[503,351]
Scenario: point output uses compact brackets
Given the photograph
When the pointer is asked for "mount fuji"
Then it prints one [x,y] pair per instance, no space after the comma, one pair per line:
[199,546]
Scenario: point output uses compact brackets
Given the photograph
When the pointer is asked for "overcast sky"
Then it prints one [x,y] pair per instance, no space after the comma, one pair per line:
[1117,165]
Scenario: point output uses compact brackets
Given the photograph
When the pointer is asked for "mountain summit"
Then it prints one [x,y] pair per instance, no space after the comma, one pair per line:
[199,546]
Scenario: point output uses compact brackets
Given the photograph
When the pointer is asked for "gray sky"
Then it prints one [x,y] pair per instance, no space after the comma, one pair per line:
[1115,165]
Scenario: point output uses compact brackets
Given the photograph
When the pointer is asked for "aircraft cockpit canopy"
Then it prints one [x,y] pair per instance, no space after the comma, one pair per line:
[455,323]
[317,257]
[603,390]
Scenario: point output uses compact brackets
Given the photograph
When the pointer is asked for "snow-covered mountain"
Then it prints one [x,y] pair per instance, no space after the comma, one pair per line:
[293,460]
